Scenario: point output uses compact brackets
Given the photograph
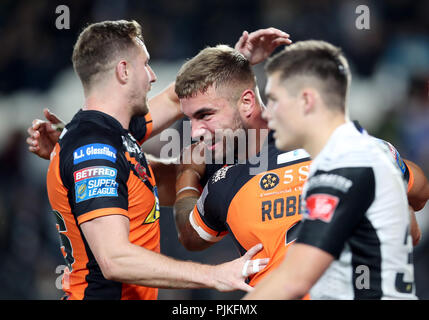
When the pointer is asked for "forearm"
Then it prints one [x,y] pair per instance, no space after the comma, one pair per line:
[185,232]
[278,285]
[164,109]
[136,265]
[414,227]
[418,194]
[165,176]
[299,271]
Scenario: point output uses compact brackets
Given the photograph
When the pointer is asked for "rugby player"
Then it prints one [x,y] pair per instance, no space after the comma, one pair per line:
[354,241]
[102,190]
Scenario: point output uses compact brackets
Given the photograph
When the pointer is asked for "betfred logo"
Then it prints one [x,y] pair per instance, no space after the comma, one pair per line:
[321,206]
[93,172]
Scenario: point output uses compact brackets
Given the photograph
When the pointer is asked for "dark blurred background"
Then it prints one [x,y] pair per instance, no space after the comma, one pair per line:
[389,96]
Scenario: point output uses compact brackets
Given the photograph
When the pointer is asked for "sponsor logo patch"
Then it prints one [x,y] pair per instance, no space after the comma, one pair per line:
[269,181]
[321,206]
[220,174]
[94,182]
[94,151]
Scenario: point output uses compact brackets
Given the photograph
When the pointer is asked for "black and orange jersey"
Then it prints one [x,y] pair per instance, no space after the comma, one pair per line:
[97,168]
[262,208]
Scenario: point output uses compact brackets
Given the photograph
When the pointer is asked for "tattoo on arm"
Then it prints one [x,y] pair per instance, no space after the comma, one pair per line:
[185,232]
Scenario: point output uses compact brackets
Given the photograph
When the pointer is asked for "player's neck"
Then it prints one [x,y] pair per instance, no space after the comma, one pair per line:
[113,105]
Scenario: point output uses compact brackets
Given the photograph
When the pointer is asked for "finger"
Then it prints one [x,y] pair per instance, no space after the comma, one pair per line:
[30,130]
[244,272]
[281,41]
[242,41]
[270,32]
[31,142]
[36,123]
[254,266]
[252,251]
[264,262]
[279,32]
[50,116]
[33,149]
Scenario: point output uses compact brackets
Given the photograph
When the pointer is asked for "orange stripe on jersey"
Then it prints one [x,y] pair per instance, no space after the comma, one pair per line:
[72,246]
[100,213]
[202,229]
[411,179]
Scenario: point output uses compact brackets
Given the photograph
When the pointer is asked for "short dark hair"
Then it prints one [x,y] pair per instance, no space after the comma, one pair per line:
[319,59]
[99,43]
[218,66]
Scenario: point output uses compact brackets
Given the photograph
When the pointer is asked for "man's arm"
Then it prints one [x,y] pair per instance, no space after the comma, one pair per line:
[188,188]
[123,261]
[418,193]
[164,109]
[43,135]
[165,171]
[302,267]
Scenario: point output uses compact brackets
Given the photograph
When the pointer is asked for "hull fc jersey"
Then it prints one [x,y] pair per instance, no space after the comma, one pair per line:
[97,169]
[356,209]
[262,208]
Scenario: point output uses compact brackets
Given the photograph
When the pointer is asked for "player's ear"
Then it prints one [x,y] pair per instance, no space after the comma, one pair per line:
[122,72]
[246,103]
[308,98]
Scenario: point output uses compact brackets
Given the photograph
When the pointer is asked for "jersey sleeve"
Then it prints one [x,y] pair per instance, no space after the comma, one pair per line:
[335,202]
[406,172]
[209,215]
[96,175]
[141,127]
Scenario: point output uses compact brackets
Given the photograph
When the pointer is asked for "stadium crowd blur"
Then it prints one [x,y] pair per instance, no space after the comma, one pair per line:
[390,65]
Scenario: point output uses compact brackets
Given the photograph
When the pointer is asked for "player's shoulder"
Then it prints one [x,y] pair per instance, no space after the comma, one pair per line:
[349,147]
[224,177]
[86,138]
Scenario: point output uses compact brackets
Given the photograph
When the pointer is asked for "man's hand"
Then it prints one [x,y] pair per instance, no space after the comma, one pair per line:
[231,275]
[258,45]
[43,135]
[190,170]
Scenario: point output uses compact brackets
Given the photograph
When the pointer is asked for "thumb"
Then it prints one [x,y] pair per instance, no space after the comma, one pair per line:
[51,117]
[242,41]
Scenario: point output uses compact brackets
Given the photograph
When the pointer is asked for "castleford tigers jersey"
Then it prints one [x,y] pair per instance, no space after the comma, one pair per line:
[356,209]
[262,208]
[97,169]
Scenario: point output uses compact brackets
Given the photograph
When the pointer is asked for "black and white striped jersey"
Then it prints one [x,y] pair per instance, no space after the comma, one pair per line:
[356,209]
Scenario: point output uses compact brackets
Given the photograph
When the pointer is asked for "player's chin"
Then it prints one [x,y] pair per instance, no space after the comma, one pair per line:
[141,110]
[280,143]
